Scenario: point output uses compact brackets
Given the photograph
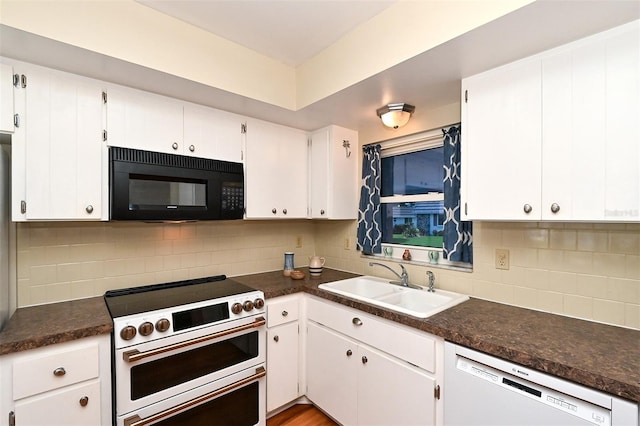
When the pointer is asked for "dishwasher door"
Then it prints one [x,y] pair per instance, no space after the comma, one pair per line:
[483,390]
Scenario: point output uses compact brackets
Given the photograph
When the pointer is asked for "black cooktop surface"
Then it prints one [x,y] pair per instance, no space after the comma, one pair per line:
[136,300]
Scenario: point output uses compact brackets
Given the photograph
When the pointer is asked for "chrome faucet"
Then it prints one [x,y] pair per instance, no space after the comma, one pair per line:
[404,277]
[432,281]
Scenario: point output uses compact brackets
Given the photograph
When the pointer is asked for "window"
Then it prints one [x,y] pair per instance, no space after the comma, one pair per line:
[412,195]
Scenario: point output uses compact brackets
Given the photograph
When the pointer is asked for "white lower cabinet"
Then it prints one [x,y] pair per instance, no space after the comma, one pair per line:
[358,379]
[283,351]
[62,384]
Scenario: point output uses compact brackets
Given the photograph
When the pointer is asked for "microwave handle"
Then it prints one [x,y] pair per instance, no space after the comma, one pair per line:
[136,355]
[137,421]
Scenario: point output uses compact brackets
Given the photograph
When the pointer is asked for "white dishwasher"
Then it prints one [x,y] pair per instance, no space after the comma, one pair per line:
[480,389]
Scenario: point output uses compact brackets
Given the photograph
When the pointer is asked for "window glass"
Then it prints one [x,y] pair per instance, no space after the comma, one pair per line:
[413,210]
[417,172]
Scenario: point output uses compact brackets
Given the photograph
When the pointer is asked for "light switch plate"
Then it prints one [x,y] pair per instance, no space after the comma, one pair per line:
[502,259]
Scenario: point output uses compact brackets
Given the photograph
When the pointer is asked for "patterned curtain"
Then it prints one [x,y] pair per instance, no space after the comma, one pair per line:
[369,216]
[458,237]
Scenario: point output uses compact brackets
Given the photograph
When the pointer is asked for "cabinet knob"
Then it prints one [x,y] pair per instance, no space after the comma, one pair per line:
[555,208]
[192,148]
[527,208]
[276,338]
[84,401]
[274,211]
[349,352]
[356,321]
[364,359]
[285,313]
[174,145]
[89,209]
[322,211]
[284,211]
[59,372]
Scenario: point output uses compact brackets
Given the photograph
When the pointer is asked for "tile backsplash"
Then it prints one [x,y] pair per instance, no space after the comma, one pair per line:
[589,271]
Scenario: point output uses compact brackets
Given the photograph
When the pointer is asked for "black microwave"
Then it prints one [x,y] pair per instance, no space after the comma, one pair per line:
[155,186]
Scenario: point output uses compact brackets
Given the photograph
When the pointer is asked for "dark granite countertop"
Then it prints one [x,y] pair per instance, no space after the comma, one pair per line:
[36,326]
[600,356]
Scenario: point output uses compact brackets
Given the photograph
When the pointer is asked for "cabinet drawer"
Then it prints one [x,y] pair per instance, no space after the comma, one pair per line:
[76,405]
[33,374]
[282,310]
[413,346]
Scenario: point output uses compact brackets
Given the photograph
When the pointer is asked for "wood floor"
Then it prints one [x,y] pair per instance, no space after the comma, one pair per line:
[301,415]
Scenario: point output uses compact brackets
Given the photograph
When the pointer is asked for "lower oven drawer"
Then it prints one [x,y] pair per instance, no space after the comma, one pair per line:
[236,399]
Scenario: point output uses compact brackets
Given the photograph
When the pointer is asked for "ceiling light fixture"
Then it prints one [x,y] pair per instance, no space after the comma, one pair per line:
[395,115]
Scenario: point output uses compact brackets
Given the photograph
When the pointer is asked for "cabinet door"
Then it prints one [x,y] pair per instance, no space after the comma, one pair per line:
[6,98]
[211,133]
[590,152]
[276,171]
[319,174]
[282,365]
[140,120]
[333,174]
[332,373]
[392,392]
[63,147]
[501,143]
[72,405]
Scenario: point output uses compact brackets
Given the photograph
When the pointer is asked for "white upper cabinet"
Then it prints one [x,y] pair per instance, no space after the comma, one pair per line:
[275,171]
[6,98]
[591,115]
[555,136]
[59,156]
[141,120]
[333,173]
[211,133]
[501,142]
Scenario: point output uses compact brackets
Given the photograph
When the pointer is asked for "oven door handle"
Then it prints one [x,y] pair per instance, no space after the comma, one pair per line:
[135,420]
[136,355]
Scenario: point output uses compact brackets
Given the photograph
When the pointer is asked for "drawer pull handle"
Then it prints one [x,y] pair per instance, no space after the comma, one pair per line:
[276,338]
[364,360]
[349,352]
[285,313]
[84,401]
[357,321]
[59,372]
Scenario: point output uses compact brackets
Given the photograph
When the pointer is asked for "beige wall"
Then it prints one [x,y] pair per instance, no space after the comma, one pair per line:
[588,271]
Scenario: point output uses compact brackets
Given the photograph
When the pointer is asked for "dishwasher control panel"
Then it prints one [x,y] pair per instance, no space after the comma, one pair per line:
[589,412]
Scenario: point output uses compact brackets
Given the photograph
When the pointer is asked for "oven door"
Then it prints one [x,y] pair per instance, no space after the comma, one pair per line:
[238,399]
[150,372]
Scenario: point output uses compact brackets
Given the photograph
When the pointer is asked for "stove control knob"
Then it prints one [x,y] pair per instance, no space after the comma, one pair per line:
[258,303]
[248,305]
[128,333]
[146,328]
[162,325]
[236,308]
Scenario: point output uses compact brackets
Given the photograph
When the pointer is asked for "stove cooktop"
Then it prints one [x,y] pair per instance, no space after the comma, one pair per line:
[135,300]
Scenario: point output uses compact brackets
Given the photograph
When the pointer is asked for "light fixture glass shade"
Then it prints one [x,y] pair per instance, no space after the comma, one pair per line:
[395,115]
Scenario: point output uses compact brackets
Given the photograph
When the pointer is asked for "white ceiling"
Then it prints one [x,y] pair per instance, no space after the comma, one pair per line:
[289,31]
[428,81]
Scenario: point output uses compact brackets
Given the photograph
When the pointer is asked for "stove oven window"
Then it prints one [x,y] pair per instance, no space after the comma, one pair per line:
[164,373]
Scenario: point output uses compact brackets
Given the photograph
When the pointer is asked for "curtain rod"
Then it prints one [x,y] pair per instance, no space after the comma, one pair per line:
[426,136]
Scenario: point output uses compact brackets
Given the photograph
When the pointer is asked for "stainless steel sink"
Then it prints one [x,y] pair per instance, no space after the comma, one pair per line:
[380,292]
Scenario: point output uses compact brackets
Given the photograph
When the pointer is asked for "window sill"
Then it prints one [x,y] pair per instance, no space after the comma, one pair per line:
[418,260]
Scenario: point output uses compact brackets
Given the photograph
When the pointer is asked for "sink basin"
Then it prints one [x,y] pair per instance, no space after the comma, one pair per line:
[378,291]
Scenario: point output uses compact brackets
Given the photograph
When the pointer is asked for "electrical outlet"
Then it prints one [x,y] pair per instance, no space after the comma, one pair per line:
[502,259]
[346,243]
[299,241]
